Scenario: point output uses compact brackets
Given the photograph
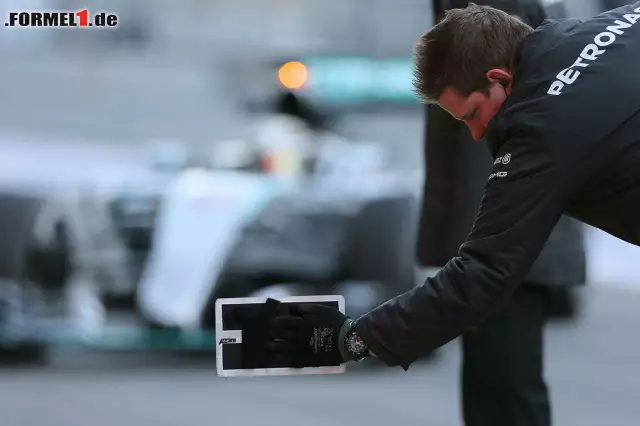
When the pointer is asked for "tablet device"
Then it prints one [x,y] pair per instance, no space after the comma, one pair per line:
[229,316]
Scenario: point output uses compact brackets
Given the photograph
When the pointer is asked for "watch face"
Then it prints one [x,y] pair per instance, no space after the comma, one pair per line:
[356,346]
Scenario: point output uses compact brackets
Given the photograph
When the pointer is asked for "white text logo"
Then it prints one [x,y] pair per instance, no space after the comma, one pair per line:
[497,175]
[592,51]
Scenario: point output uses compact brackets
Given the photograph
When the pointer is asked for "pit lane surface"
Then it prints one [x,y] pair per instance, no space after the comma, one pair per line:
[593,369]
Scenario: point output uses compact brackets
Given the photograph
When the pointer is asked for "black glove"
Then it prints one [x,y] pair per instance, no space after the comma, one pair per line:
[309,335]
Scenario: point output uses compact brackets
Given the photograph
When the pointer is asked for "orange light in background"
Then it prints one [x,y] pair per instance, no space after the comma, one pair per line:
[293,75]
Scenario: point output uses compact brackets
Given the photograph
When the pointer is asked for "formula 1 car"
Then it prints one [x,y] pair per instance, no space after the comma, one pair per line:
[205,235]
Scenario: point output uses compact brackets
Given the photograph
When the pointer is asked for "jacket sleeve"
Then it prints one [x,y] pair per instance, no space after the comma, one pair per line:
[523,200]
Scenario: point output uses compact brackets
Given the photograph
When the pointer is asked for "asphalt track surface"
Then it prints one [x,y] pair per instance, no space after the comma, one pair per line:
[593,370]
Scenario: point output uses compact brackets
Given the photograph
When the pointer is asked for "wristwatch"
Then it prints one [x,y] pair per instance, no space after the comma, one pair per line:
[355,349]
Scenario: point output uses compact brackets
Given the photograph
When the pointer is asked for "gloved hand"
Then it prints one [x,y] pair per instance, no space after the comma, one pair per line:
[309,335]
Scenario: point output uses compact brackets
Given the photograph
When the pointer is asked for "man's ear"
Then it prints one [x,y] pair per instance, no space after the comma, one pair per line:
[500,76]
